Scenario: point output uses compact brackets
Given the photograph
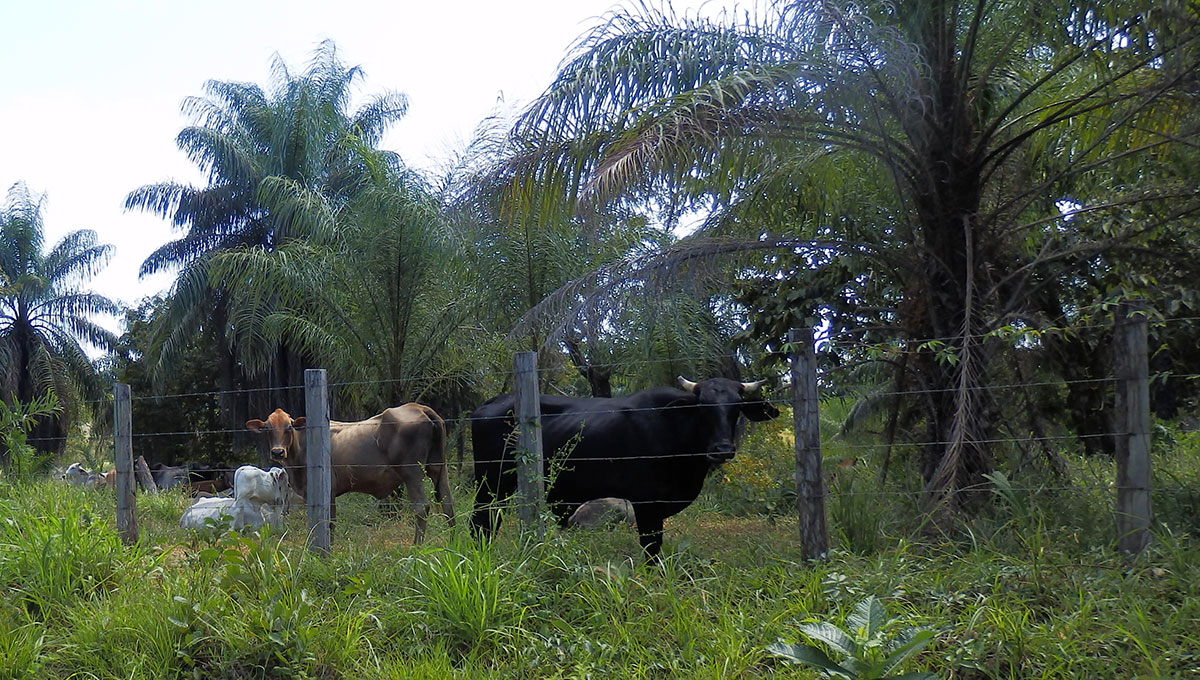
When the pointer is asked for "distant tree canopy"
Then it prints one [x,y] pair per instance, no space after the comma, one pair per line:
[298,138]
[927,176]
[186,425]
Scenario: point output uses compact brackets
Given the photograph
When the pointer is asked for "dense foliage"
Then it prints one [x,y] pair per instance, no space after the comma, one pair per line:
[48,317]
[924,176]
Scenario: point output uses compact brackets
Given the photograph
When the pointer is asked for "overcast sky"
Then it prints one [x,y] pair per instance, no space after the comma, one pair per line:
[90,93]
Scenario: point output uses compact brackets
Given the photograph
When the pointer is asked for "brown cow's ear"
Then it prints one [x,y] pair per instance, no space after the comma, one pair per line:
[298,423]
[255,425]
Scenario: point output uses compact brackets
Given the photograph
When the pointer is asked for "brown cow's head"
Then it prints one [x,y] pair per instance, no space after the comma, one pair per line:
[284,435]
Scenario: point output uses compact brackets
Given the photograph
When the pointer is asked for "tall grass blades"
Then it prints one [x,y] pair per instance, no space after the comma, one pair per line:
[22,648]
[856,513]
[53,560]
[465,595]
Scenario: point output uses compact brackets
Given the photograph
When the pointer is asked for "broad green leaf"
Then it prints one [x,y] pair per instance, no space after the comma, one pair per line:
[831,635]
[909,642]
[810,655]
[868,617]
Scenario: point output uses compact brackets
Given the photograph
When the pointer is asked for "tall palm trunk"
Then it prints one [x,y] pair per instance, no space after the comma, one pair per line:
[947,197]
[49,434]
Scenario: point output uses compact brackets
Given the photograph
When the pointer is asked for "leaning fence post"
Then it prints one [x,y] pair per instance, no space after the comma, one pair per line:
[319,487]
[123,461]
[806,423]
[1131,359]
[141,473]
[531,490]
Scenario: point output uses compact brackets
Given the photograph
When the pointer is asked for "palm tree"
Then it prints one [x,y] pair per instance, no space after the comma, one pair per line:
[45,316]
[242,135]
[375,291]
[941,167]
[526,246]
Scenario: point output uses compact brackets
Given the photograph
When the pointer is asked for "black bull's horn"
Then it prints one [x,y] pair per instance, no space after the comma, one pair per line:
[747,387]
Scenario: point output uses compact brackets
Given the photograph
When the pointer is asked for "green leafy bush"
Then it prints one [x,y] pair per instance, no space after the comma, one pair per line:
[868,651]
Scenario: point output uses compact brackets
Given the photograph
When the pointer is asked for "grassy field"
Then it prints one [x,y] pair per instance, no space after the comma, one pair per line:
[1028,587]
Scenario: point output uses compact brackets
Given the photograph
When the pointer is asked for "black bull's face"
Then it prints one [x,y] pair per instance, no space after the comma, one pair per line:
[719,403]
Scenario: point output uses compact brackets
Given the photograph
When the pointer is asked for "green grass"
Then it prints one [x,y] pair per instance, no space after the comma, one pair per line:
[1028,587]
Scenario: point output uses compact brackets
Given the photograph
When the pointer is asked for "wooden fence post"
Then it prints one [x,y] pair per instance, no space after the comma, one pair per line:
[1132,364]
[531,489]
[806,421]
[141,472]
[123,460]
[319,473]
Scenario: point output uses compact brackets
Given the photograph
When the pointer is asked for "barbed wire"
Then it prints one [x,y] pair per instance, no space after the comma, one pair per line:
[1017,332]
[826,371]
[824,342]
[507,457]
[781,400]
[509,503]
[509,499]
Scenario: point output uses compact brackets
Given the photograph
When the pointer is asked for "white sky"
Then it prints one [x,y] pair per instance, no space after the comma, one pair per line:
[90,90]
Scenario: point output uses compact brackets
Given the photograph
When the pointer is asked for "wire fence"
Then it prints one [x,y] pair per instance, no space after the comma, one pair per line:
[602,409]
[147,442]
[877,392]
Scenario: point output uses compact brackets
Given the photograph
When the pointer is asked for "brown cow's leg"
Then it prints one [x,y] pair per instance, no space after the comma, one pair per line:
[439,474]
[332,515]
[415,484]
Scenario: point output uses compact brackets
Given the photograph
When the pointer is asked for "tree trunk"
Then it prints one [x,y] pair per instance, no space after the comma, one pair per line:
[599,378]
[946,189]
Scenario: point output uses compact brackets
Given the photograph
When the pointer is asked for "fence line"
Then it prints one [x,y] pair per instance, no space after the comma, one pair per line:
[825,340]
[811,481]
[821,373]
[544,370]
[776,401]
[992,334]
[856,447]
[990,440]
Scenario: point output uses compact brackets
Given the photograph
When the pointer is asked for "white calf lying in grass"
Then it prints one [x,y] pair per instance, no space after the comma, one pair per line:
[239,514]
[254,491]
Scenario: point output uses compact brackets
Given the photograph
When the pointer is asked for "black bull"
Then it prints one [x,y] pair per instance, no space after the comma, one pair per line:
[653,448]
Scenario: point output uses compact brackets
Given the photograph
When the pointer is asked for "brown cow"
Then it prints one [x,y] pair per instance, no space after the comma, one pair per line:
[373,456]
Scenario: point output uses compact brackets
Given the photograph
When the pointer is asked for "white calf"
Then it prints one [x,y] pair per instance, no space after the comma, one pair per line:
[237,512]
[264,489]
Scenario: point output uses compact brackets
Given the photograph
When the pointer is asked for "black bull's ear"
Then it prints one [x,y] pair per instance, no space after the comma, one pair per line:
[758,410]
[689,400]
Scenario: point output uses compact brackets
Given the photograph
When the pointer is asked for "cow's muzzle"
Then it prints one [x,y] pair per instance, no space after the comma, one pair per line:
[279,452]
[720,453]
